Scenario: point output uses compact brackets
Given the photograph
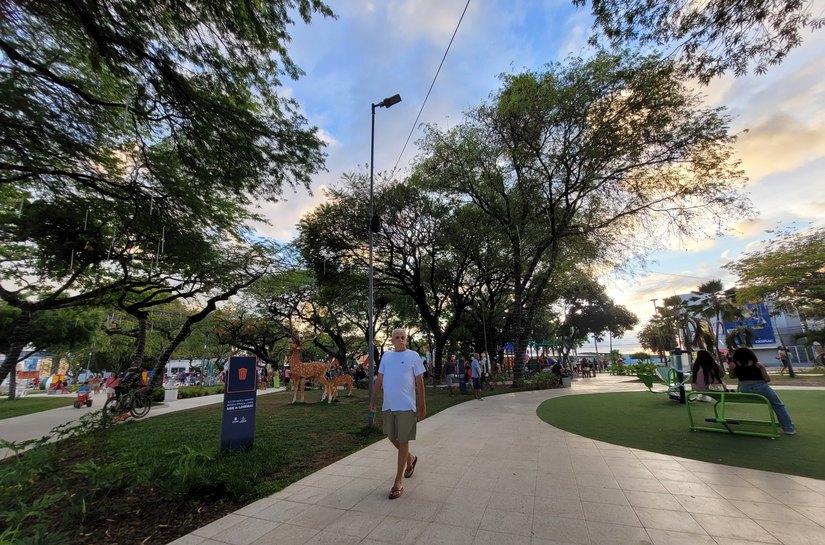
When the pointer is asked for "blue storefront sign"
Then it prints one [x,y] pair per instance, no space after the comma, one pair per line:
[238,422]
[758,320]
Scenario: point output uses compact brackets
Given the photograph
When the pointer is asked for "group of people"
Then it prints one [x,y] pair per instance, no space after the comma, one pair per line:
[474,371]
[708,375]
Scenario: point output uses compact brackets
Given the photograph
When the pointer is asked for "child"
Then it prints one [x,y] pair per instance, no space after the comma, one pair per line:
[706,373]
[754,379]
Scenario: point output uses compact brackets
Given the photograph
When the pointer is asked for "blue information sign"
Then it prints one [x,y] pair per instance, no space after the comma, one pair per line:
[238,423]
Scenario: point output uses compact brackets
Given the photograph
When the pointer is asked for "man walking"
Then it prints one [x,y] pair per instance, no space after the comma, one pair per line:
[401,380]
[475,368]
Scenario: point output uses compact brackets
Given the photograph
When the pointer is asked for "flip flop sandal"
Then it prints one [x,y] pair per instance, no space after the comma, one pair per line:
[411,470]
[396,492]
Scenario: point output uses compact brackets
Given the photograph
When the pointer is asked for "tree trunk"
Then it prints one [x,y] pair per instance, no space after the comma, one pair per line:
[160,368]
[140,341]
[791,372]
[17,341]
[438,357]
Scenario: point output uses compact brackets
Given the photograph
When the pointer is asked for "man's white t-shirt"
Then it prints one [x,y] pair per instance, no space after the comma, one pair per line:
[399,370]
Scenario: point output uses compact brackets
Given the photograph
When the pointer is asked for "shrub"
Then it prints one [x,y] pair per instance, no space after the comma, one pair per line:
[198,391]
[543,381]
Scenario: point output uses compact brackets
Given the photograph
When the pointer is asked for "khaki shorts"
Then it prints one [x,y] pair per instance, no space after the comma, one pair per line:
[399,425]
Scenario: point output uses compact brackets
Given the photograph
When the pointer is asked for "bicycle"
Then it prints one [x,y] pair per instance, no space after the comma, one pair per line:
[135,402]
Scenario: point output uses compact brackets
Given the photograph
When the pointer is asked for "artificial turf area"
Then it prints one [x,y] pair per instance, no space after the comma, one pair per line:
[654,423]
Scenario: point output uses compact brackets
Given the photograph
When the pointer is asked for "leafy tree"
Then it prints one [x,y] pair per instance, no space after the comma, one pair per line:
[426,250]
[658,335]
[589,311]
[589,157]
[252,333]
[710,37]
[789,270]
[132,131]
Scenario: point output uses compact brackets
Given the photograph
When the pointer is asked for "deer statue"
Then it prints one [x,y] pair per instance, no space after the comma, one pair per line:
[332,391]
[301,372]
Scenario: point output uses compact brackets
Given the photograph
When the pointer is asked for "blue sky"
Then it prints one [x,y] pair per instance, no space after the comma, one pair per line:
[378,48]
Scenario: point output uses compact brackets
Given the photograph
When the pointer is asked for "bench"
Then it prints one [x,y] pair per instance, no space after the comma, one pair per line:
[722,414]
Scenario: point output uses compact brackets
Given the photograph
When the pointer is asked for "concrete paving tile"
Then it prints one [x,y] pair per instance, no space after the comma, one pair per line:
[640,485]
[218,526]
[795,534]
[565,530]
[613,514]
[343,499]
[601,533]
[281,511]
[467,496]
[722,479]
[355,523]
[799,497]
[667,537]
[246,532]
[567,507]
[331,538]
[256,506]
[733,527]
[539,541]
[411,508]
[486,537]
[662,519]
[442,534]
[653,500]
[507,522]
[735,541]
[317,517]
[815,514]
[397,530]
[596,481]
[770,511]
[690,489]
[675,475]
[602,495]
[465,515]
[365,484]
[708,506]
[744,493]
[377,503]
[309,494]
[431,492]
[773,481]
[519,503]
[286,534]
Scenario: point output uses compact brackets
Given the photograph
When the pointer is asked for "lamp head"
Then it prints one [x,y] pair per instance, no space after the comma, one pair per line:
[389,101]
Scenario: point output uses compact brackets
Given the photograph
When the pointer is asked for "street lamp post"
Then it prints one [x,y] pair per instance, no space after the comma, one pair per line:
[373,227]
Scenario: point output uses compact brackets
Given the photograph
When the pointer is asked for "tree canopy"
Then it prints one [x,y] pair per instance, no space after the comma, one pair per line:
[603,159]
[789,270]
[711,37]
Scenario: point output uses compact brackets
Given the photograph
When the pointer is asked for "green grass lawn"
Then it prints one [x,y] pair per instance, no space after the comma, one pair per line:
[653,422]
[29,405]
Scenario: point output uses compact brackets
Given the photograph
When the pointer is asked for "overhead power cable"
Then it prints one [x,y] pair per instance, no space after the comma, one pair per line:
[415,123]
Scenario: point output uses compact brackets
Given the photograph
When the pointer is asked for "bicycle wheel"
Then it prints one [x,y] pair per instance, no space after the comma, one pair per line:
[111,409]
[140,405]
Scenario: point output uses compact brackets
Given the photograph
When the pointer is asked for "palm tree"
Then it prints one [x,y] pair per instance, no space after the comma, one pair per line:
[710,300]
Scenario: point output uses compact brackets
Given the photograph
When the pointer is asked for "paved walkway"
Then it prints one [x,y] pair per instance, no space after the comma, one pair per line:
[491,472]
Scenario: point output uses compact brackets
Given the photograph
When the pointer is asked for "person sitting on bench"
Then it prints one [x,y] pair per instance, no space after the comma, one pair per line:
[706,374]
[753,379]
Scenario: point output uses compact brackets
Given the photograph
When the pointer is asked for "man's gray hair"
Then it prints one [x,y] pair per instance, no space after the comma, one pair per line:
[401,329]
